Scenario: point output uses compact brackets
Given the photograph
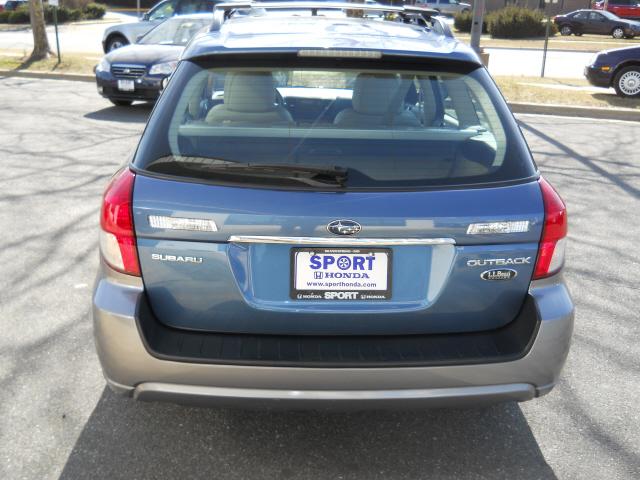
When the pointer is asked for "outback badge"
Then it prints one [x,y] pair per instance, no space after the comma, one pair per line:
[499,274]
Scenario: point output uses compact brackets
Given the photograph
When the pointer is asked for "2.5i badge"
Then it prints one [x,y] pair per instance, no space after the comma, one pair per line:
[499,274]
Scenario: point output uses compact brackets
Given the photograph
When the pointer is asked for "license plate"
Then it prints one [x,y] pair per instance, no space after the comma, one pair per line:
[126,85]
[341,273]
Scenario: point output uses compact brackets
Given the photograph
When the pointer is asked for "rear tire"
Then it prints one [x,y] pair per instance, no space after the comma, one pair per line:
[577,34]
[566,30]
[121,103]
[627,82]
[115,42]
[618,33]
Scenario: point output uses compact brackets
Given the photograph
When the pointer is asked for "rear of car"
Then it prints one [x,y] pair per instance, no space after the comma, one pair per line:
[319,227]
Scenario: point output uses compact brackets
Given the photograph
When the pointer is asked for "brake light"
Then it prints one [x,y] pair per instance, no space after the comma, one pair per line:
[117,237]
[552,244]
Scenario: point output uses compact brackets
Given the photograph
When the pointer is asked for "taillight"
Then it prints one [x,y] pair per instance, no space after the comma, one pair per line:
[117,238]
[552,244]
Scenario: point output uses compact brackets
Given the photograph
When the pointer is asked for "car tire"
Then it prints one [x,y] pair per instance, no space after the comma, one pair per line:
[465,10]
[627,82]
[116,42]
[121,103]
[617,33]
[566,30]
[577,34]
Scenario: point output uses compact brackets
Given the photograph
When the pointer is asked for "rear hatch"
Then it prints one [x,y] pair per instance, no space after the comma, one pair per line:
[423,213]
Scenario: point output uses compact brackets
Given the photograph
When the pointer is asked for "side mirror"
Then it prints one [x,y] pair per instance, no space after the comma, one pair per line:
[145,17]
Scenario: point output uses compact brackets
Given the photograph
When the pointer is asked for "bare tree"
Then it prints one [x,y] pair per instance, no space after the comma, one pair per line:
[41,47]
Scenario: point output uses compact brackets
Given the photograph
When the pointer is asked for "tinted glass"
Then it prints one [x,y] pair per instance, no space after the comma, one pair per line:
[175,31]
[609,15]
[163,10]
[385,129]
[194,6]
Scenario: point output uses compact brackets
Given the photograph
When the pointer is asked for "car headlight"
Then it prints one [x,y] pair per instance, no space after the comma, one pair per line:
[103,66]
[166,68]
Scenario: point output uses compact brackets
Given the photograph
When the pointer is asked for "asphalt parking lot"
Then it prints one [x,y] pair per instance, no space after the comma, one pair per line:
[59,144]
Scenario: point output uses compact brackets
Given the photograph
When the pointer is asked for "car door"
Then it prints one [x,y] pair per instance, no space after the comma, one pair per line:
[579,22]
[598,23]
[621,7]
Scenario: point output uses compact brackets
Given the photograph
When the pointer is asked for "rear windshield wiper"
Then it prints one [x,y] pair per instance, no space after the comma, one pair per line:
[312,175]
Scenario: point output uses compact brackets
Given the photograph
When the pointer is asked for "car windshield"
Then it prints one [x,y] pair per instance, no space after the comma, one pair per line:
[175,31]
[346,127]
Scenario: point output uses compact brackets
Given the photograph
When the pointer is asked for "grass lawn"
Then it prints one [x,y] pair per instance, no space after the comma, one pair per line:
[561,91]
[70,63]
[585,43]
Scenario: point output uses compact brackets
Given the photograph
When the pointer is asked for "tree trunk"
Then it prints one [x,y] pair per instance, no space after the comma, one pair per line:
[40,41]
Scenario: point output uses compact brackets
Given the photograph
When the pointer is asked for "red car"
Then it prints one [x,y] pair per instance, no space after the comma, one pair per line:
[622,8]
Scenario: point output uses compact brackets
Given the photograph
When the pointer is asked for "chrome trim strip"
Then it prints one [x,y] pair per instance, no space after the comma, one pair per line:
[340,241]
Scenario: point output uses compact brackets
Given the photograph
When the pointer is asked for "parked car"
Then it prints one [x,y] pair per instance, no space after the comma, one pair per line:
[446,7]
[622,8]
[618,68]
[138,72]
[123,34]
[11,5]
[598,22]
[332,212]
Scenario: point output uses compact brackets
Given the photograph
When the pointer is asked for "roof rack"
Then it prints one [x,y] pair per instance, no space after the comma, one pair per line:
[407,13]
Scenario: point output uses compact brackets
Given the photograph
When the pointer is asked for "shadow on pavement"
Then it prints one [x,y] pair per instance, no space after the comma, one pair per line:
[613,100]
[123,438]
[136,113]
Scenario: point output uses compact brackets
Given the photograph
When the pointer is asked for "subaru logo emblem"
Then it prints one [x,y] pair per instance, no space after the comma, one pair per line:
[344,227]
[126,70]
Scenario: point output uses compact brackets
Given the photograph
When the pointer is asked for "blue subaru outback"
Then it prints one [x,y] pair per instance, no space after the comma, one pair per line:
[331,210]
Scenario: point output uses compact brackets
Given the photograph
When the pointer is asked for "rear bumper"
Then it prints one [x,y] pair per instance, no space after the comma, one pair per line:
[132,370]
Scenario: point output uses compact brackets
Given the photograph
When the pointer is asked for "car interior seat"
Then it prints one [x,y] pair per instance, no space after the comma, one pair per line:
[378,100]
[249,99]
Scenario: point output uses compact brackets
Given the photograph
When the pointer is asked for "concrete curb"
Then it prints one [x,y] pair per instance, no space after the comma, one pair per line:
[78,77]
[627,114]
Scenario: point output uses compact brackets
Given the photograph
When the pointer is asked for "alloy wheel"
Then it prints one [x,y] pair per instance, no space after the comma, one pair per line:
[629,83]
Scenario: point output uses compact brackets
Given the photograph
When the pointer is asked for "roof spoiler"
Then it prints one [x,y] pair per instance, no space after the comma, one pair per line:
[408,13]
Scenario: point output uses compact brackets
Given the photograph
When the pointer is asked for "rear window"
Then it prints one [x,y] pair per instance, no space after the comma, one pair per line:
[327,127]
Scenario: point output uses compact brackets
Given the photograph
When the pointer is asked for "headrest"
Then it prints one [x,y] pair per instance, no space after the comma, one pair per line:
[373,93]
[249,92]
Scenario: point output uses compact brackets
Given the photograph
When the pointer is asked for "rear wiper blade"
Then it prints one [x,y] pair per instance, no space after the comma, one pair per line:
[313,175]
